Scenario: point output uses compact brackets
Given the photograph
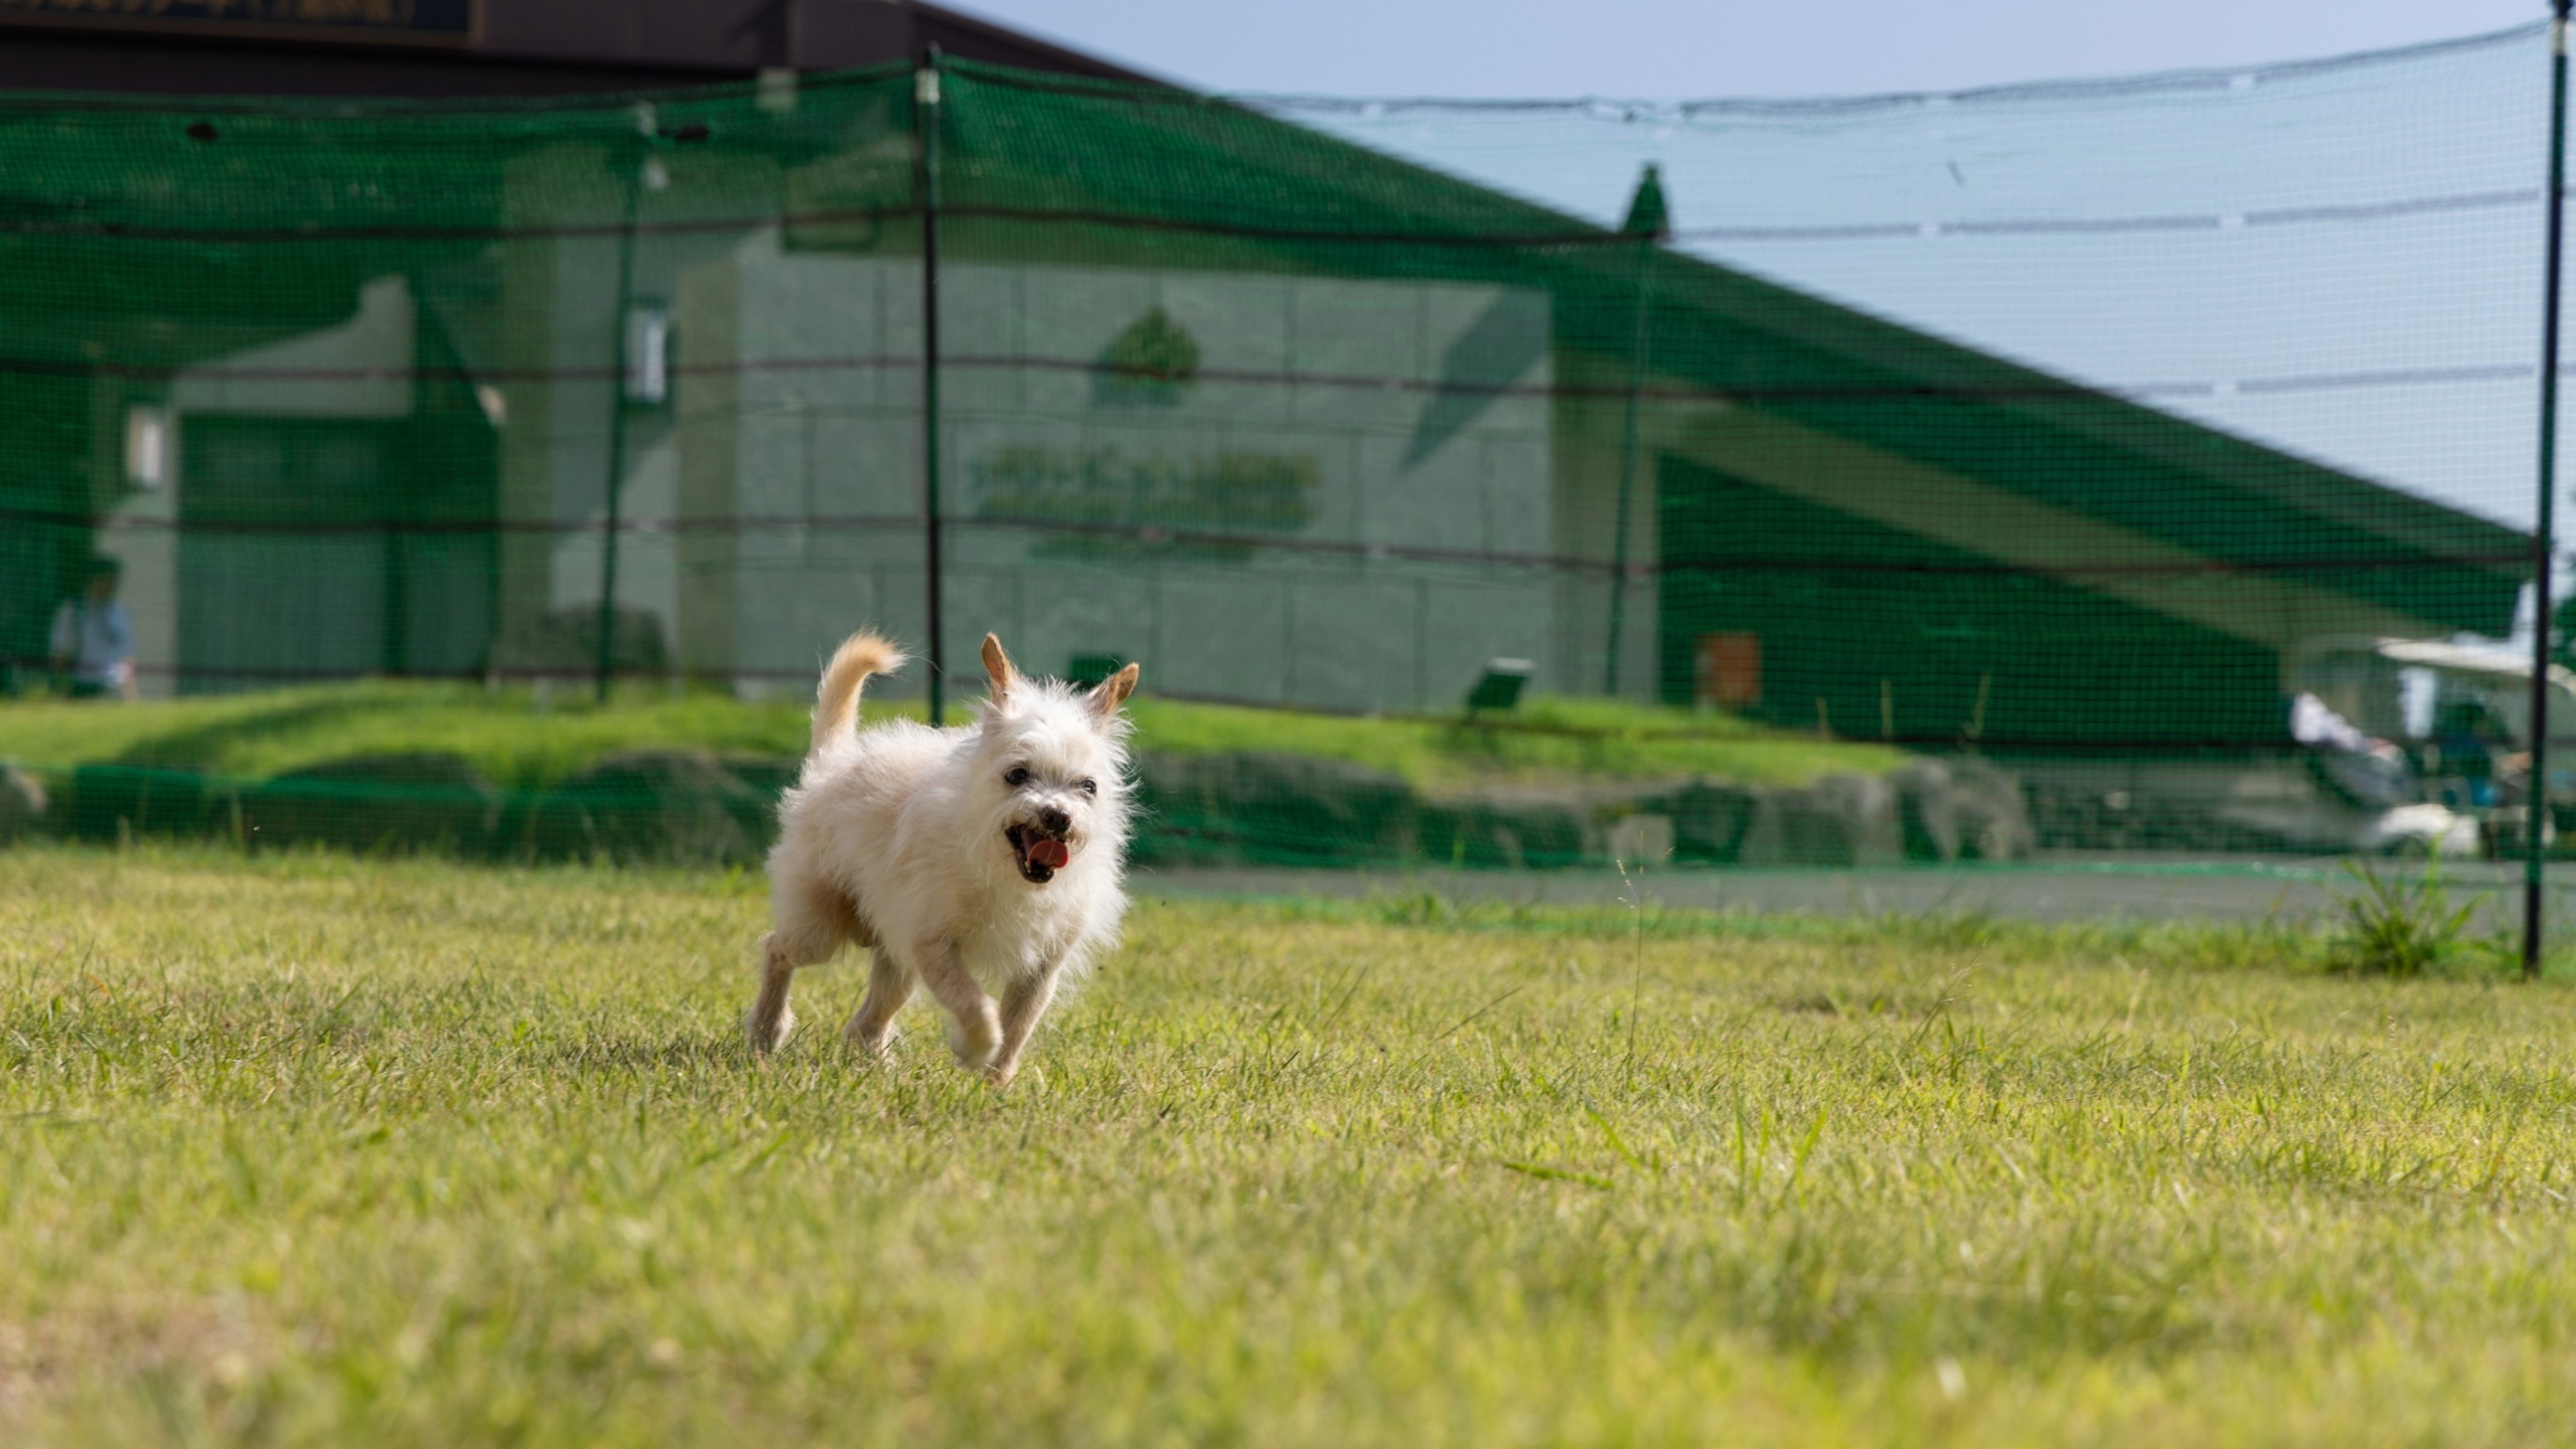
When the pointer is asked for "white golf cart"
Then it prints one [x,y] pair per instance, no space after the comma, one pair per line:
[2435,738]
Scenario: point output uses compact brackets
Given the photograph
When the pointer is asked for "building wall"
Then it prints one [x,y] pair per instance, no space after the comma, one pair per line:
[1595,460]
[1330,542]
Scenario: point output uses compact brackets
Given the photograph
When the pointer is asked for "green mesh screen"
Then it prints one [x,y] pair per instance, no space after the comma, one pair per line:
[2134,466]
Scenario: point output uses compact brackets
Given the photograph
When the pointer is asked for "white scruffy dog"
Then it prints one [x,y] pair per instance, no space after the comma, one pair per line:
[975,860]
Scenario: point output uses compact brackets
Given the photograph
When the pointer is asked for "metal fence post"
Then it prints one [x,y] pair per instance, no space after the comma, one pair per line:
[2536,794]
[925,110]
[645,124]
[1648,221]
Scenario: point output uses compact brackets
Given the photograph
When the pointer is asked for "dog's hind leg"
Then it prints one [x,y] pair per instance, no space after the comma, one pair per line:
[889,987]
[771,1018]
[812,922]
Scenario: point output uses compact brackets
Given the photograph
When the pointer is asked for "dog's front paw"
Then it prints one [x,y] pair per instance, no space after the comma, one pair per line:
[975,1041]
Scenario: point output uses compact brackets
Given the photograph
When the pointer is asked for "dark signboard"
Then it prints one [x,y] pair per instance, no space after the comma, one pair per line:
[418,22]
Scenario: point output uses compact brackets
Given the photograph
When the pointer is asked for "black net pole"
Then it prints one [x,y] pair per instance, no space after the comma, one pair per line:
[2536,793]
[925,100]
[1646,220]
[1627,474]
[617,323]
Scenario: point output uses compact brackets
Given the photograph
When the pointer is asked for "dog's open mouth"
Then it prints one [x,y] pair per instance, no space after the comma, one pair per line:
[1039,854]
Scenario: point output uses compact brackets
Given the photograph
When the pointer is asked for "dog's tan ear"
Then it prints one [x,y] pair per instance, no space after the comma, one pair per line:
[997,665]
[1112,692]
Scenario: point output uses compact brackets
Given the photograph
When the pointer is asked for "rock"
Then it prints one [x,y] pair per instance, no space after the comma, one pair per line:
[1927,809]
[1709,818]
[408,802]
[1640,839]
[111,803]
[22,804]
[1992,811]
[1840,820]
[1962,809]
[1516,830]
[1253,806]
[652,805]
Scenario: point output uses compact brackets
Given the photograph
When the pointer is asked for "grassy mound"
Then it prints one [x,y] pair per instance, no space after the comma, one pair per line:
[522,740]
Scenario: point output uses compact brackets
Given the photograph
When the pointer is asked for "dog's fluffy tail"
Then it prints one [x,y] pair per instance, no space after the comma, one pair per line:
[836,703]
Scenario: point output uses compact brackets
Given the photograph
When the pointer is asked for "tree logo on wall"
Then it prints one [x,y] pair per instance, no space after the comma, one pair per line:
[1151,363]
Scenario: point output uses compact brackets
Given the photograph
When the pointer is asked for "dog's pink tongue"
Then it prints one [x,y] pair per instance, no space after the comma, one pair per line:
[1049,853]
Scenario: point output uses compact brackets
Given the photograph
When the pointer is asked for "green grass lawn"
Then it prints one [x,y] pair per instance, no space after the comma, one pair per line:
[520,739]
[308,1150]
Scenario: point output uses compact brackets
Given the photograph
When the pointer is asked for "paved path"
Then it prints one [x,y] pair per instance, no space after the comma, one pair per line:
[2063,887]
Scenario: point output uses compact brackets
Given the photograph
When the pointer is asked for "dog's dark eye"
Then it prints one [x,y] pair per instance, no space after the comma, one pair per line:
[1016,776]
[1091,787]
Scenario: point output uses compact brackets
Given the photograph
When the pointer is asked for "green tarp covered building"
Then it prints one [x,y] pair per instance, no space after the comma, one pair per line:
[385,387]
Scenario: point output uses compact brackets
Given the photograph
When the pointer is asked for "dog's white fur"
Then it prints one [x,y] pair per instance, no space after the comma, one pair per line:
[919,844]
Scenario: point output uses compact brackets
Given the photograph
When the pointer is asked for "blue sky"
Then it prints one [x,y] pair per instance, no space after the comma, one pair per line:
[1676,49]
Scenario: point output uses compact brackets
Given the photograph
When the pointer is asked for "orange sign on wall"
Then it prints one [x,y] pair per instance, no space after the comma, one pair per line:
[1729,671]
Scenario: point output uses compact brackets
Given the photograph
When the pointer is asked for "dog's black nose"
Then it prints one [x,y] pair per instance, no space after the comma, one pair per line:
[1054,821]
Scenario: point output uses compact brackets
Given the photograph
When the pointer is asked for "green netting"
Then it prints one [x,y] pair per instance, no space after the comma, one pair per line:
[1828,502]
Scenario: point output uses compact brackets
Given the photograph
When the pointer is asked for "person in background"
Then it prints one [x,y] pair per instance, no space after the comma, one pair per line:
[2471,740]
[93,638]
